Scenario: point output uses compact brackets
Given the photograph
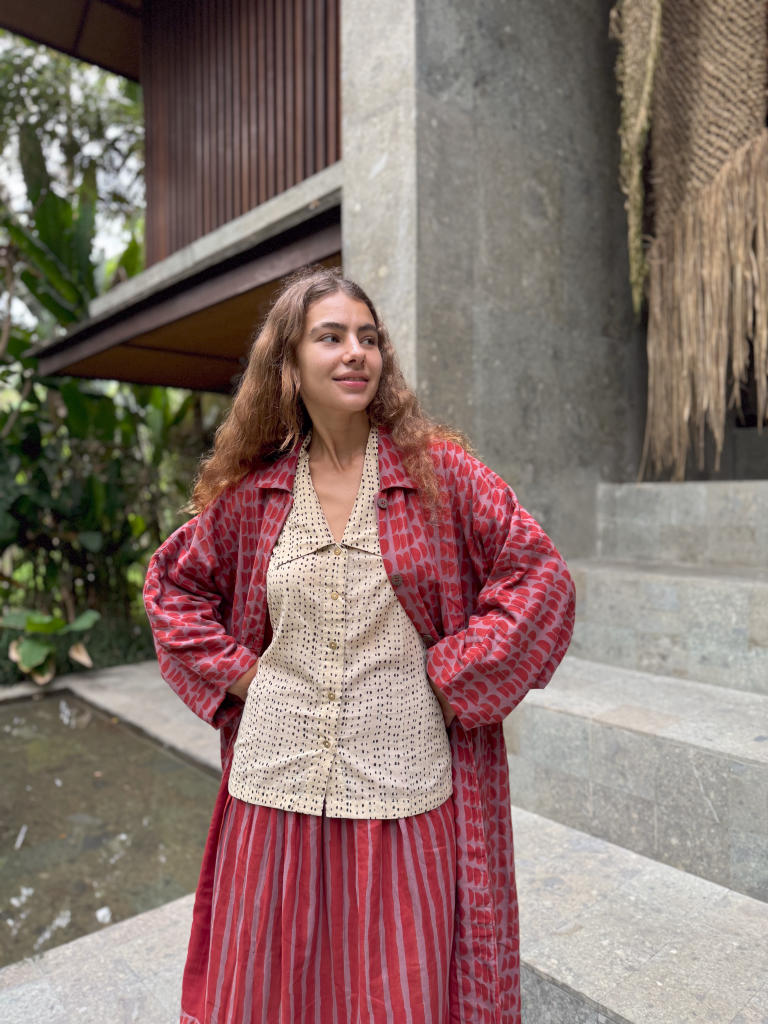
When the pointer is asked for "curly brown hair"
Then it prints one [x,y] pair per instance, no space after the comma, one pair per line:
[268,417]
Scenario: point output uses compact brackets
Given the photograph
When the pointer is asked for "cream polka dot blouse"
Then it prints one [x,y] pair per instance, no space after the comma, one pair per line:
[340,716]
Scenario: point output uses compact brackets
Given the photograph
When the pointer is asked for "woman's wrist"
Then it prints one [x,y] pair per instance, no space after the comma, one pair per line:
[448,713]
[239,688]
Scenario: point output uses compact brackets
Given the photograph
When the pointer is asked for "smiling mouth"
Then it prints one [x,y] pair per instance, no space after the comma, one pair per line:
[352,380]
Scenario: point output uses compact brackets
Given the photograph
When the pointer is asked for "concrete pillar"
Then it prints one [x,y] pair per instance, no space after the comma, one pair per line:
[481,209]
[378,131]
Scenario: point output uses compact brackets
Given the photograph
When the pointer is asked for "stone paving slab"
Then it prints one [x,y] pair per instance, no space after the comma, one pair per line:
[607,937]
[709,625]
[620,937]
[128,972]
[669,768]
[730,722]
[709,522]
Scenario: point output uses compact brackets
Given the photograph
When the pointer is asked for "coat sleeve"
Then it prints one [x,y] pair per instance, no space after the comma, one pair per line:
[522,621]
[188,591]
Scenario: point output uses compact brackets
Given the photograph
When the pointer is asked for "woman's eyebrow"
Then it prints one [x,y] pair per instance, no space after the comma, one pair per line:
[332,325]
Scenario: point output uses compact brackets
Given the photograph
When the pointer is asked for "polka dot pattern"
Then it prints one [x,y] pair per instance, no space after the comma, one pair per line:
[340,716]
[494,603]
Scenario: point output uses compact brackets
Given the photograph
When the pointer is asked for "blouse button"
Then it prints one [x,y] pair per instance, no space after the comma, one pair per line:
[396,580]
[333,645]
[337,551]
[334,595]
[326,743]
[381,502]
[331,695]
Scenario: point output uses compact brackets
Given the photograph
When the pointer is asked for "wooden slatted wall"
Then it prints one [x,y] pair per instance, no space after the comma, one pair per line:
[241,102]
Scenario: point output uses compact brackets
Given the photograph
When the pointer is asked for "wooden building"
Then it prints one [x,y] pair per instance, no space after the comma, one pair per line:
[241,106]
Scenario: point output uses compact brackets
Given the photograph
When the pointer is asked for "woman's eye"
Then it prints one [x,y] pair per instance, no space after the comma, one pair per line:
[371,341]
[329,337]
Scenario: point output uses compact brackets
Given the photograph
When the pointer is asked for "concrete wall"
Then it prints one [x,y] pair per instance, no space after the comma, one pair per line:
[518,329]
[379,153]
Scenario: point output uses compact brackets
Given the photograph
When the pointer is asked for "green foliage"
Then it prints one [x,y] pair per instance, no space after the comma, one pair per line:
[77,117]
[94,473]
[34,652]
[112,641]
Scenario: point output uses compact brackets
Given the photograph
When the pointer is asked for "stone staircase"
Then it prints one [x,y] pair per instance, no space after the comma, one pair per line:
[640,775]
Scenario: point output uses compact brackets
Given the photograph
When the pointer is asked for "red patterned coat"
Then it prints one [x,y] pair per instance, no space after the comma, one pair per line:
[493,601]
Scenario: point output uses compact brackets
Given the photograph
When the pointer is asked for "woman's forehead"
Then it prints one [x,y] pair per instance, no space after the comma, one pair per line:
[340,308]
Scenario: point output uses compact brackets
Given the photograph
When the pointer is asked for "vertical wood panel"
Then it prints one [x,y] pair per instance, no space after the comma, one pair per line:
[261,39]
[271,157]
[253,108]
[280,72]
[206,120]
[150,117]
[290,128]
[241,102]
[245,111]
[222,132]
[331,112]
[309,79]
[298,75]
[225,152]
[320,96]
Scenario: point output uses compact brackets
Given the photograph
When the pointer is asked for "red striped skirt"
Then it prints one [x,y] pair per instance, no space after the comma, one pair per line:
[320,920]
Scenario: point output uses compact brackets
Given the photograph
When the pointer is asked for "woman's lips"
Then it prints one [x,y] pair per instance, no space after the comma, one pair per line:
[352,384]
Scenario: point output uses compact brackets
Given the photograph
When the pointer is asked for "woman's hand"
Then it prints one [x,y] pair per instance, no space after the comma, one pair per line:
[239,688]
[448,713]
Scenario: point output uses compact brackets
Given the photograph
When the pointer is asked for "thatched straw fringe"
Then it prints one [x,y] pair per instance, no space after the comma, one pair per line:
[637,28]
[708,297]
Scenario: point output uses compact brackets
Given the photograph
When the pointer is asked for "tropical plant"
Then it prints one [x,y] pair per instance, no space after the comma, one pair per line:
[33,652]
[94,472]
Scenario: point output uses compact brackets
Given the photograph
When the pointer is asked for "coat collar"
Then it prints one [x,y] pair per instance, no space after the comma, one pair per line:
[280,475]
[391,469]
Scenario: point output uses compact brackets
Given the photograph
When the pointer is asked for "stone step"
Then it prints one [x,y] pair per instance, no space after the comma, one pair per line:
[610,937]
[127,972]
[703,624]
[606,937]
[672,769]
[719,523]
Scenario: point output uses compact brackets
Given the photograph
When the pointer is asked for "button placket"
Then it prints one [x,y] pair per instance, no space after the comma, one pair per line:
[331,683]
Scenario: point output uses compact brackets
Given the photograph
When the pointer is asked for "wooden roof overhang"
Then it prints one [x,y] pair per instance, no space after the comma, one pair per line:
[195,331]
[103,32]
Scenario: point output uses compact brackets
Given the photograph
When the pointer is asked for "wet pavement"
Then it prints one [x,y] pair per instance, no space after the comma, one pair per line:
[130,971]
[98,823]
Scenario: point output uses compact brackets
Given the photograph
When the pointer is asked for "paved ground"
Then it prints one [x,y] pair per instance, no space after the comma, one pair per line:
[130,971]
[608,936]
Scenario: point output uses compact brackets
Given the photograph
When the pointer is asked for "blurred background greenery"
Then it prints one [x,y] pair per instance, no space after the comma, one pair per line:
[94,473]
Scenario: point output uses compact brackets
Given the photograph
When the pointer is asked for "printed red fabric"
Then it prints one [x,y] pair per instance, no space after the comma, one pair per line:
[493,600]
[320,920]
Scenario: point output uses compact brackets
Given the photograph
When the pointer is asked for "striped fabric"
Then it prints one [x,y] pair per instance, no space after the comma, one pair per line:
[322,920]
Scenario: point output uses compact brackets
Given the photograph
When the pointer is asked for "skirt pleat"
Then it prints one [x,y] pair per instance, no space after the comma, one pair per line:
[320,920]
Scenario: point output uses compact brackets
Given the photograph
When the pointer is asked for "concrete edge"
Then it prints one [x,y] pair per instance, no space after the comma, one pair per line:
[297,204]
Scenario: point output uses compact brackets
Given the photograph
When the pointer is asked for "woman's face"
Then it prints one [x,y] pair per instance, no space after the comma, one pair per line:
[338,356]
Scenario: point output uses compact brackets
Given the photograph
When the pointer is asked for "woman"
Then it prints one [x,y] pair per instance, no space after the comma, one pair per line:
[380,602]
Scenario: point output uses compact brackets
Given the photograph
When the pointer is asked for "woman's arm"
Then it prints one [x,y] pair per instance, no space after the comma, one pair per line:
[190,583]
[522,622]
[448,713]
[239,688]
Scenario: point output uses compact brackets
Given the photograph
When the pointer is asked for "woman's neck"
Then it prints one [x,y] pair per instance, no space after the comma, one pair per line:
[341,442]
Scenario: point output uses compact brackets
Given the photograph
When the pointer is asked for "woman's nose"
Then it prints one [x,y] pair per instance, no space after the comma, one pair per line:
[353,349]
